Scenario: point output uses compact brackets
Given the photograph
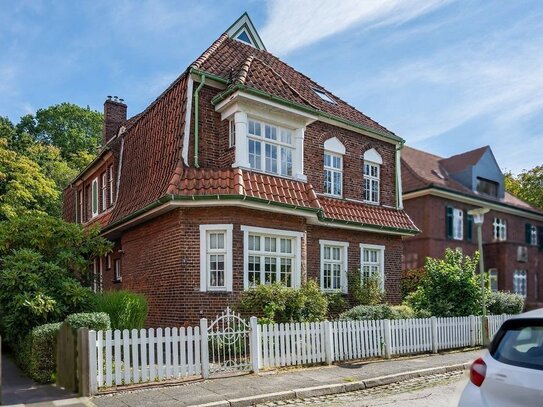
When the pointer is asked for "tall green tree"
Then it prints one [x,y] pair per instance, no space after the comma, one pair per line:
[528,186]
[74,130]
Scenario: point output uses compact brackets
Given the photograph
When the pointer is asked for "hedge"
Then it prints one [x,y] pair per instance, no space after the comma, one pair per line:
[126,309]
[97,321]
[36,355]
[381,311]
[499,302]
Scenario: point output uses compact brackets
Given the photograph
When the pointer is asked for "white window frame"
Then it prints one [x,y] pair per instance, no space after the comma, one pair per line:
[533,235]
[97,275]
[94,210]
[374,198]
[81,194]
[333,170]
[499,229]
[277,233]
[231,133]
[108,262]
[458,224]
[493,277]
[520,282]
[277,143]
[104,190]
[205,251]
[380,248]
[344,261]
[110,184]
[117,276]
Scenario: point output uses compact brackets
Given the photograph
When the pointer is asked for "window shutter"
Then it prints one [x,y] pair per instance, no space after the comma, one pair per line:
[449,221]
[469,231]
[528,233]
[540,237]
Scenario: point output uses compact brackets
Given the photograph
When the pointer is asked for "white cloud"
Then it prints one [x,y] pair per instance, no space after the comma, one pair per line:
[295,24]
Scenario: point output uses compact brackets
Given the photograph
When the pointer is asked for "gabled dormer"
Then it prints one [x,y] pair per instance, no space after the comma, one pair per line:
[477,170]
[244,30]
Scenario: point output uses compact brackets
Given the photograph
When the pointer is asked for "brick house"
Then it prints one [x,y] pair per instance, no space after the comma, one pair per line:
[437,194]
[242,172]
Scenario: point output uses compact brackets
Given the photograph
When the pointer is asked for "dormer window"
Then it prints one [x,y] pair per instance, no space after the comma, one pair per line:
[270,148]
[372,176]
[487,187]
[324,96]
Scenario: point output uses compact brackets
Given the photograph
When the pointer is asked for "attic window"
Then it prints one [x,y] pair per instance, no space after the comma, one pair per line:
[244,37]
[324,96]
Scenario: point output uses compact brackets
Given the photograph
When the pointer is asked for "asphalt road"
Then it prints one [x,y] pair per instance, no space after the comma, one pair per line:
[438,390]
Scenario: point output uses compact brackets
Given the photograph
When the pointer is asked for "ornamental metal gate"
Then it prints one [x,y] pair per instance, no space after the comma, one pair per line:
[229,339]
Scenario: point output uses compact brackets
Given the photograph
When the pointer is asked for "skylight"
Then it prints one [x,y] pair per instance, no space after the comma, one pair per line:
[324,96]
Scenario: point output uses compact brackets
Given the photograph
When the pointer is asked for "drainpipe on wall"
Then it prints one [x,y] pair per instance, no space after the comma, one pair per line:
[196,140]
[399,198]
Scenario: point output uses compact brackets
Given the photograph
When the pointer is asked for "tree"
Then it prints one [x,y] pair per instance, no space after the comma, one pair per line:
[528,186]
[44,271]
[71,128]
[450,287]
[23,186]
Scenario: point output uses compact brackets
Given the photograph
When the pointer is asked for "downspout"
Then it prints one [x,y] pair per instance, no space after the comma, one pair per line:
[196,106]
[399,198]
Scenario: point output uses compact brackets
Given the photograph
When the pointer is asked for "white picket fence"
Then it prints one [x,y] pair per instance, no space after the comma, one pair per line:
[147,355]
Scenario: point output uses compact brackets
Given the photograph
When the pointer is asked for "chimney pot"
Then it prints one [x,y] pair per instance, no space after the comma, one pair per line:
[114,117]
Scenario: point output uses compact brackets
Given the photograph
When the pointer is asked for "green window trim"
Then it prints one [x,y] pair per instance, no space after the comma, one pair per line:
[449,222]
[540,237]
[528,233]
[469,228]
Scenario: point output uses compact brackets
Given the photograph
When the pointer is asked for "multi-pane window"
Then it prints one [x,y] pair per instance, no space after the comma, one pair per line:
[333,175]
[487,187]
[94,200]
[97,275]
[531,234]
[499,227]
[493,279]
[110,184]
[216,257]
[117,270]
[371,182]
[231,133]
[81,203]
[270,260]
[372,261]
[519,282]
[270,148]
[104,191]
[333,265]
[458,224]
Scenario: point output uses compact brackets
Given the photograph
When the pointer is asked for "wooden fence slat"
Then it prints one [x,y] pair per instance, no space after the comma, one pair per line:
[117,351]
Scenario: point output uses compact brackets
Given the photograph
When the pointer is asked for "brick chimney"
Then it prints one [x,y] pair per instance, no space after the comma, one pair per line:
[114,116]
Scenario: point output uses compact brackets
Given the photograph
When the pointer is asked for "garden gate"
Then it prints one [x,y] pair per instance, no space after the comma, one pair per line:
[230,344]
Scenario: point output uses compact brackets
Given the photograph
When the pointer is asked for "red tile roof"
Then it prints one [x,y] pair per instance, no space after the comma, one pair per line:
[271,75]
[366,214]
[422,170]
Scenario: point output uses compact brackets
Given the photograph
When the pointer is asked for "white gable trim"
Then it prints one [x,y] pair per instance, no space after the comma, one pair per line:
[244,23]
[373,156]
[334,146]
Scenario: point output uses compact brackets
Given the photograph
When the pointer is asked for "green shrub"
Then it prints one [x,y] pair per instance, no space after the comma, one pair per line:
[410,280]
[499,302]
[97,321]
[277,303]
[402,312]
[450,287]
[36,353]
[126,309]
[337,303]
[380,311]
[365,290]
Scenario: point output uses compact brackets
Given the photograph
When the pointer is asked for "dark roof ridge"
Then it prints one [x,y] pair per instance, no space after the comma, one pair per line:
[244,70]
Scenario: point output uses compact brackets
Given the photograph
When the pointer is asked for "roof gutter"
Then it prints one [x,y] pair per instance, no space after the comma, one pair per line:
[196,111]
[241,87]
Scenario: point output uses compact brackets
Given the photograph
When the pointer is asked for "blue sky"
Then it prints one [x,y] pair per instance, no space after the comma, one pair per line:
[447,76]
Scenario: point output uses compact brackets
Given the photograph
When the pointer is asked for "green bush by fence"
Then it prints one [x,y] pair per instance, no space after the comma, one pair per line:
[499,302]
[381,311]
[36,354]
[98,321]
[126,309]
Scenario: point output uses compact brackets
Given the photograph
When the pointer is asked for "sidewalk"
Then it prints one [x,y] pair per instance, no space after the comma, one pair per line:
[19,390]
[288,384]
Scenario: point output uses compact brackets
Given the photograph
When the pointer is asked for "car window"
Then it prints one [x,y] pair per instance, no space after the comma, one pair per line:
[520,345]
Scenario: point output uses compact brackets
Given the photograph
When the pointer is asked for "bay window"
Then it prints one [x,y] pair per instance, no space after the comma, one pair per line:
[271,256]
[333,265]
[270,148]
[216,257]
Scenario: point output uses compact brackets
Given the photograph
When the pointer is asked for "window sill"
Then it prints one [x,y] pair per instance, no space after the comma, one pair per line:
[372,203]
[217,291]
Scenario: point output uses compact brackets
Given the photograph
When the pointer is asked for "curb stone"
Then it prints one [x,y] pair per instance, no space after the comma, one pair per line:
[329,389]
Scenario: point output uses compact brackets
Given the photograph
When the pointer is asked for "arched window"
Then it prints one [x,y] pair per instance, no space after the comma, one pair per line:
[372,175]
[334,151]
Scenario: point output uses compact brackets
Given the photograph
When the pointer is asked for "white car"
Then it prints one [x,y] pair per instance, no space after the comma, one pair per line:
[511,372]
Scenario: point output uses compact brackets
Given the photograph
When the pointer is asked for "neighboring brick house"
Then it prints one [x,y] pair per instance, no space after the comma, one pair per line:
[243,172]
[437,194]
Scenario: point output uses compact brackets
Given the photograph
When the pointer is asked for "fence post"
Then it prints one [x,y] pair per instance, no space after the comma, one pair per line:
[473,329]
[255,345]
[388,338]
[328,342]
[204,348]
[83,367]
[93,384]
[433,321]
